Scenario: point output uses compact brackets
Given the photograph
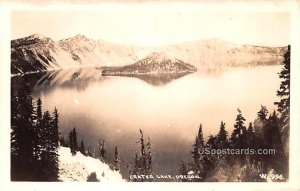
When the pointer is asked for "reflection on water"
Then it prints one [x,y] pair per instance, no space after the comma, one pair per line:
[78,78]
[157,79]
[167,108]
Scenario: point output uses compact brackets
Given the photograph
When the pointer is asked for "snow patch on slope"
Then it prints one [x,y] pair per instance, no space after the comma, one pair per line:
[79,167]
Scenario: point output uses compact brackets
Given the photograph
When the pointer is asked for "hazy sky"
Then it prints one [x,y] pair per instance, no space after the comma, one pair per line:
[151,26]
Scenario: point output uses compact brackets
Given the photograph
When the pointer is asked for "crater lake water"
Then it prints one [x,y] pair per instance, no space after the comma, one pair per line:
[169,109]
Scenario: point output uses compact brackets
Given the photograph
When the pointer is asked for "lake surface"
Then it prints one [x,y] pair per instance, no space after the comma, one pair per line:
[168,109]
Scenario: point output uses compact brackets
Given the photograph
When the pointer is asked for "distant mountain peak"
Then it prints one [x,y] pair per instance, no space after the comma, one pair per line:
[37,36]
[30,40]
[157,55]
[81,37]
[78,37]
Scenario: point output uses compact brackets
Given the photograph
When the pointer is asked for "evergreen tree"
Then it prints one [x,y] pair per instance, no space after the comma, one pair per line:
[34,144]
[73,141]
[39,112]
[135,169]
[55,128]
[209,161]
[136,164]
[22,144]
[102,151]
[271,131]
[284,106]
[49,145]
[37,140]
[251,139]
[260,122]
[15,130]
[149,157]
[250,173]
[143,161]
[200,136]
[46,130]
[183,170]
[131,168]
[34,138]
[260,125]
[196,156]
[116,159]
[263,113]
[212,142]
[284,90]
[221,138]
[143,153]
[253,143]
[273,140]
[53,147]
[239,136]
[82,148]
[197,148]
[239,132]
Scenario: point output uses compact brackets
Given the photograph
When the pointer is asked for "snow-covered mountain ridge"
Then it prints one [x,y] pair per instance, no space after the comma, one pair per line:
[39,53]
[79,167]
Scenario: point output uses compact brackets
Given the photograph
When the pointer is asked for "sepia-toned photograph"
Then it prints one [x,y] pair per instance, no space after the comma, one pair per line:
[148,93]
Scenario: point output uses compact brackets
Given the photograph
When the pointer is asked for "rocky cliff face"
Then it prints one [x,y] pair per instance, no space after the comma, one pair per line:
[39,53]
[34,53]
[217,53]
